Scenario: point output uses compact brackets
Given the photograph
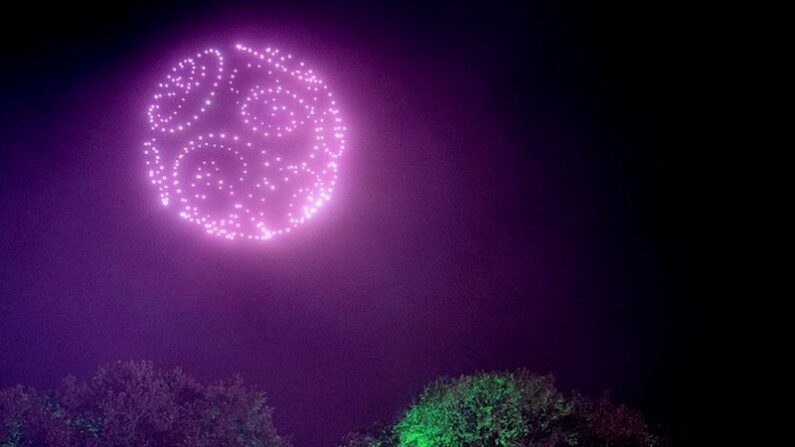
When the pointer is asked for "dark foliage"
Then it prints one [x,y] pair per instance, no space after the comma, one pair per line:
[600,422]
[133,404]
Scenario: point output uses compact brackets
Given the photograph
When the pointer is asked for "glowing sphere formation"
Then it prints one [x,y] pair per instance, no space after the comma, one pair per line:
[244,143]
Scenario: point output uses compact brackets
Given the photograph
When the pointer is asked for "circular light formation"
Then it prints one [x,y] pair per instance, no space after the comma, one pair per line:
[244,144]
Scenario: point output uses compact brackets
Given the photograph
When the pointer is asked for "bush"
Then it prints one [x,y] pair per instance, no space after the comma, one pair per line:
[132,404]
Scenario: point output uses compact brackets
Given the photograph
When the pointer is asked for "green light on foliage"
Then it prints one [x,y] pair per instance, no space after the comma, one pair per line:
[485,410]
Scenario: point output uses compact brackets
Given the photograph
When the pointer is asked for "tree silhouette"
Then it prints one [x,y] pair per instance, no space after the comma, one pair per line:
[133,404]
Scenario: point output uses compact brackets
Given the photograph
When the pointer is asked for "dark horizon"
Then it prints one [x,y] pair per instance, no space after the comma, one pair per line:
[516,194]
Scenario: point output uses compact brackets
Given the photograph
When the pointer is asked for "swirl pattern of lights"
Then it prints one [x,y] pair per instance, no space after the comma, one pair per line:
[245,145]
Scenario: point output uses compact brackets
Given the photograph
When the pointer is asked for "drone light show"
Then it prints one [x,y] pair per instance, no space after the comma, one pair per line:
[424,223]
[243,142]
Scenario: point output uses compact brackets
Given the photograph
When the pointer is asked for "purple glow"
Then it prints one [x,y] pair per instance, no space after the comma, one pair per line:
[246,144]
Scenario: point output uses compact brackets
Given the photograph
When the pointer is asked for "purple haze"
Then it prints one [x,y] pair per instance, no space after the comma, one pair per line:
[465,234]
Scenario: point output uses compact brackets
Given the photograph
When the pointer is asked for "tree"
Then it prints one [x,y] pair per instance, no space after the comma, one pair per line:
[498,410]
[28,418]
[133,404]
[517,409]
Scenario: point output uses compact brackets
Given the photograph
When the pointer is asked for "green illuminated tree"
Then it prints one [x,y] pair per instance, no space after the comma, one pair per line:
[517,409]
[500,410]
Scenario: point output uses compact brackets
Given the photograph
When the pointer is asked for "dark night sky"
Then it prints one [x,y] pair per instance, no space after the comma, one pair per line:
[517,194]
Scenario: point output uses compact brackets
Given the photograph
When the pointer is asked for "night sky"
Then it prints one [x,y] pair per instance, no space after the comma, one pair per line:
[517,193]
